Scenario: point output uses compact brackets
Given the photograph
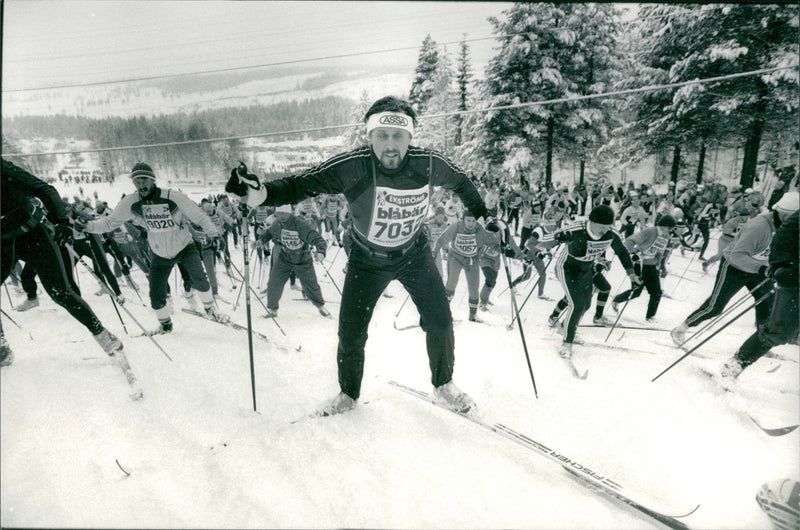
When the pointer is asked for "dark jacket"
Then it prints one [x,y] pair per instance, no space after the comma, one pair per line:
[783,252]
[19,213]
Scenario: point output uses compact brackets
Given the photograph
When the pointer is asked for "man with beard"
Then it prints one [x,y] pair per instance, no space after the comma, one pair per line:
[166,214]
[388,185]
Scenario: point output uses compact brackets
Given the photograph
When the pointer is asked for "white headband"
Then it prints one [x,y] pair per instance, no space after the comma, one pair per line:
[395,120]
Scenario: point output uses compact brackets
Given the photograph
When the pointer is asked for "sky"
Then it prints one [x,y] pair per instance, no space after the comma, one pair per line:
[47,43]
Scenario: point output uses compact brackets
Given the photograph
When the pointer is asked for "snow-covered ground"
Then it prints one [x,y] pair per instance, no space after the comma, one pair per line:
[198,455]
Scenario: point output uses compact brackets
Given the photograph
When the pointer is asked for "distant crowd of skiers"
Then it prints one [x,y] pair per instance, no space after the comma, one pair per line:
[406,213]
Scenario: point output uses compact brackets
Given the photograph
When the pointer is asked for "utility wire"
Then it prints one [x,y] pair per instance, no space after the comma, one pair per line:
[426,117]
[252,67]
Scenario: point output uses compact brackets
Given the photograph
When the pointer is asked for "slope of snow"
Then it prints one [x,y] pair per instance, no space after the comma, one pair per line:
[199,456]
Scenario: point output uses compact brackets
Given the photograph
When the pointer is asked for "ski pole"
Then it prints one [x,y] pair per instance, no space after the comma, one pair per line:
[397,313]
[10,301]
[535,285]
[684,272]
[521,332]
[11,319]
[236,304]
[251,290]
[737,317]
[331,278]
[619,315]
[246,280]
[78,258]
[522,306]
[722,315]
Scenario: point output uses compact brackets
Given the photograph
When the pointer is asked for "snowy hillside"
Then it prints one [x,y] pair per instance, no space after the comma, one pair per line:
[195,454]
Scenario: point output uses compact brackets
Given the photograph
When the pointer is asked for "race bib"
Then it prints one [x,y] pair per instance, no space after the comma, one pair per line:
[596,248]
[158,218]
[659,245]
[466,244]
[397,215]
[291,239]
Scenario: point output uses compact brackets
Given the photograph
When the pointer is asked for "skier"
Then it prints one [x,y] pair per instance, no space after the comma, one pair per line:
[534,258]
[782,326]
[27,236]
[436,226]
[464,242]
[499,240]
[388,185]
[744,265]
[294,237]
[729,230]
[166,214]
[332,207]
[585,240]
[651,244]
[600,283]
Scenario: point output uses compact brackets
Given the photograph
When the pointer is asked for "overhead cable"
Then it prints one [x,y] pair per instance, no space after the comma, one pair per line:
[426,117]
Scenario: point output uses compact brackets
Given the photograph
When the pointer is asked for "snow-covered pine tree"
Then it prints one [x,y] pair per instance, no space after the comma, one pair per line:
[551,51]
[685,42]
[463,79]
[422,88]
[356,136]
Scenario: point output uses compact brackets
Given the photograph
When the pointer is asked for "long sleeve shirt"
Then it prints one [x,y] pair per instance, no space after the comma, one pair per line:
[465,242]
[649,245]
[749,250]
[294,237]
[583,248]
[165,215]
[388,207]
[16,190]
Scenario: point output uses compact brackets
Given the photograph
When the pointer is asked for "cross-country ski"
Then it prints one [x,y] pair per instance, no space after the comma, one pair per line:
[548,219]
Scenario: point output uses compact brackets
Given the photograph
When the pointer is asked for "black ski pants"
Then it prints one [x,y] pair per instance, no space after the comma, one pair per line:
[730,281]
[368,274]
[577,284]
[603,288]
[651,280]
[781,328]
[38,250]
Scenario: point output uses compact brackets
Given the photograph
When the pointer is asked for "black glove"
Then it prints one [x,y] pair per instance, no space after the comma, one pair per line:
[542,255]
[599,268]
[635,258]
[240,180]
[62,233]
[509,252]
[785,276]
[243,208]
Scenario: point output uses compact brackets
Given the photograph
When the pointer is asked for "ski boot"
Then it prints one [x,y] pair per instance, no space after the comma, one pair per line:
[453,398]
[216,315]
[109,342]
[29,303]
[6,355]
[679,334]
[341,403]
[473,315]
[601,320]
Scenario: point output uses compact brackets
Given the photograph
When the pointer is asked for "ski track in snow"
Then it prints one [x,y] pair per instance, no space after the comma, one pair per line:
[199,456]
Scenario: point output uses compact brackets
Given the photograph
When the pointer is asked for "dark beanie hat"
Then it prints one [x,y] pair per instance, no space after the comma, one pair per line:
[667,220]
[142,170]
[602,214]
